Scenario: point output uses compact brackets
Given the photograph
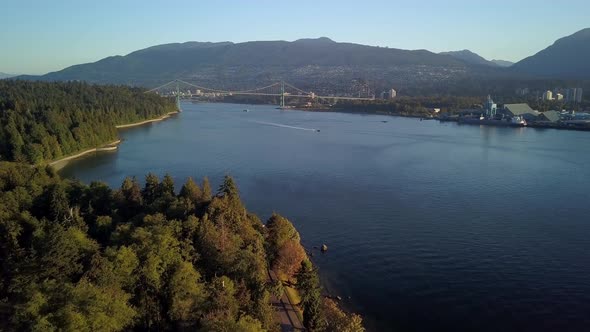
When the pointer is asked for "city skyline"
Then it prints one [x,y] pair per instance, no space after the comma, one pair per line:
[44,37]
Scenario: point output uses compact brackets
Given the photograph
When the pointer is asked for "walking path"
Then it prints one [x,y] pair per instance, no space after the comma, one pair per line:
[286,311]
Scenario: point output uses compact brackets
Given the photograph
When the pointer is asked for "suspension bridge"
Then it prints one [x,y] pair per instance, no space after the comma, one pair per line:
[278,89]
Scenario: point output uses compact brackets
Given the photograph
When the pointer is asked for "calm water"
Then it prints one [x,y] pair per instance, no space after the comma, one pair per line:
[430,226]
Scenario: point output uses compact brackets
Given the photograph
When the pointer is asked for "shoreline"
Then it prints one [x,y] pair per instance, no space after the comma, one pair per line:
[539,126]
[62,162]
[344,110]
[164,117]
[112,146]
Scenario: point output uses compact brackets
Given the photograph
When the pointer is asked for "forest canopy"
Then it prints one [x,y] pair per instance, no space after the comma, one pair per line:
[77,257]
[144,257]
[42,121]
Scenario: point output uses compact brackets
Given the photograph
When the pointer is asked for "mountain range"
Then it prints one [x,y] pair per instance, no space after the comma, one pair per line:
[473,58]
[322,64]
[5,75]
[320,61]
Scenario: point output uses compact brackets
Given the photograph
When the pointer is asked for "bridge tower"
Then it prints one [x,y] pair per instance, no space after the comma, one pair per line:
[282,93]
[177,95]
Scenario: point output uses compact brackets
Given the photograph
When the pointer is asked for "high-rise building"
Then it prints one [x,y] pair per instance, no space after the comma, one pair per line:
[574,95]
[569,95]
[548,95]
[559,96]
[579,95]
[392,94]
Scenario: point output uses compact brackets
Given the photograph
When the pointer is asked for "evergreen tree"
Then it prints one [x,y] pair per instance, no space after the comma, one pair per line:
[228,188]
[279,231]
[132,199]
[167,186]
[313,318]
[222,298]
[191,191]
[206,198]
[58,204]
[151,191]
[99,199]
[186,294]
[308,284]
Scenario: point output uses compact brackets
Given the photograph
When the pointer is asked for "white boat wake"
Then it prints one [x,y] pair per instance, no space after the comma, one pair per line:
[283,126]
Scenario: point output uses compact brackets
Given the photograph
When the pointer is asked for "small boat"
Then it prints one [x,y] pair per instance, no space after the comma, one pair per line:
[384,121]
[317,130]
[246,110]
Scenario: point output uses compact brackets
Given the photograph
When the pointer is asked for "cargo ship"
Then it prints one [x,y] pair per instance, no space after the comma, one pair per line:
[492,117]
[515,121]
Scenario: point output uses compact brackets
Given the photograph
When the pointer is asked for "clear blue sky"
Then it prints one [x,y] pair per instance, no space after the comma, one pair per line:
[42,36]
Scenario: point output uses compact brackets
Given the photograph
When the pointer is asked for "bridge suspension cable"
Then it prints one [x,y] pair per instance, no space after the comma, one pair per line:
[161,86]
[256,89]
[276,84]
[202,87]
[297,89]
[228,91]
[280,86]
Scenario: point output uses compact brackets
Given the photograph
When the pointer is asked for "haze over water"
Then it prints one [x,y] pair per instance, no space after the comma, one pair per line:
[430,226]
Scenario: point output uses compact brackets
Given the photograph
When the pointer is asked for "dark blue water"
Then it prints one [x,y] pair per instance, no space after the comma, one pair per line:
[430,226]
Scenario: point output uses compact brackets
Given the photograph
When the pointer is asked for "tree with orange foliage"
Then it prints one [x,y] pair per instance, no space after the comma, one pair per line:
[289,257]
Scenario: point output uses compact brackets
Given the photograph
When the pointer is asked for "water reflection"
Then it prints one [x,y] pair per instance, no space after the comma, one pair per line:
[430,226]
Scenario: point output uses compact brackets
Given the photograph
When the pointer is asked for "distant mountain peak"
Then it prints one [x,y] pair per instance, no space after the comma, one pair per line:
[584,33]
[470,57]
[502,63]
[567,58]
[315,40]
[465,51]
[182,46]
